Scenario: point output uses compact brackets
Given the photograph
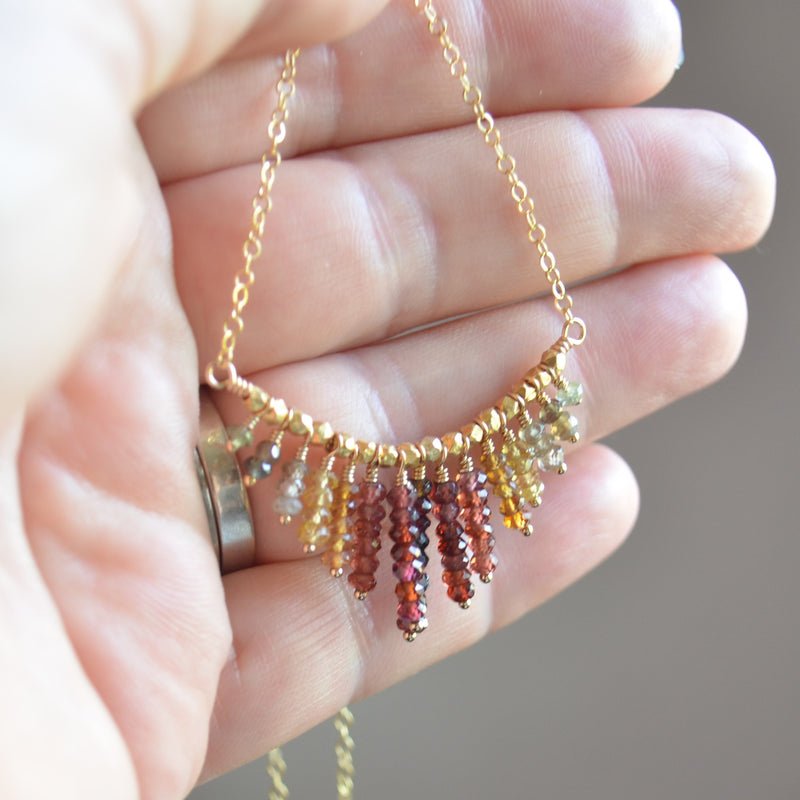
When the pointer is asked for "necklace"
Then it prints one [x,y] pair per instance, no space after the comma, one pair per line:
[514,442]
[506,448]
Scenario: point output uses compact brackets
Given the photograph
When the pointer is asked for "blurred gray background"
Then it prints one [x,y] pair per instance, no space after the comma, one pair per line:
[673,671]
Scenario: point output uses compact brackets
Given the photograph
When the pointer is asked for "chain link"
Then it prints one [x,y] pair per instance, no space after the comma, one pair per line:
[276,769]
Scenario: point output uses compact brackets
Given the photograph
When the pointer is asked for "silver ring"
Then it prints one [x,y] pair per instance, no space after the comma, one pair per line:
[230,521]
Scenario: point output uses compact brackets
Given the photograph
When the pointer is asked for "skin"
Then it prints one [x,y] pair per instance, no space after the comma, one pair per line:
[131,136]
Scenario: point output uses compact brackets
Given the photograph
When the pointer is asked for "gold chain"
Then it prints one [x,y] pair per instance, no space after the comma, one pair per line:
[221,372]
[276,769]
[506,164]
[262,205]
[345,769]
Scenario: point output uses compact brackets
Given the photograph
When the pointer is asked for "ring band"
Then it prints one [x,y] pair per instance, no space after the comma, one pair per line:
[230,520]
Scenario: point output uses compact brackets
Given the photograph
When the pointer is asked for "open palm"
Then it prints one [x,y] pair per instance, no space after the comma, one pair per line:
[389,217]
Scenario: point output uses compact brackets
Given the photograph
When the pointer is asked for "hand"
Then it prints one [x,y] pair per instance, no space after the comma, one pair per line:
[389,216]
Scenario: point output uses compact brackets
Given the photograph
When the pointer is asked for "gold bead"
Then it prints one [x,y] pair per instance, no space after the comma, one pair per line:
[510,406]
[411,454]
[466,604]
[562,470]
[323,433]
[367,451]
[258,400]
[433,448]
[454,442]
[347,447]
[486,578]
[473,433]
[493,420]
[538,380]
[554,360]
[277,412]
[388,455]
[300,424]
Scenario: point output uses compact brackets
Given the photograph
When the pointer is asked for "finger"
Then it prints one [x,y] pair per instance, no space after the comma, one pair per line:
[390,80]
[656,333]
[304,647]
[383,238]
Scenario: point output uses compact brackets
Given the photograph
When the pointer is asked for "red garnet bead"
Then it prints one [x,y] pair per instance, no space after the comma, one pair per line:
[472,498]
[453,543]
[409,560]
[369,513]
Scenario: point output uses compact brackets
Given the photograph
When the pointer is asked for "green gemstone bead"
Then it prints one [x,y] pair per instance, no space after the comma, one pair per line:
[566,426]
[550,413]
[571,394]
[239,437]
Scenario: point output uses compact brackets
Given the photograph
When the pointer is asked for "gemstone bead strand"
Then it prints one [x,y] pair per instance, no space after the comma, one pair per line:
[288,503]
[314,532]
[409,559]
[342,511]
[502,479]
[472,499]
[367,535]
[453,541]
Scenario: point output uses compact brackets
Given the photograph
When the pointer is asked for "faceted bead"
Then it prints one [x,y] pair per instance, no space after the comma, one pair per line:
[268,452]
[295,470]
[405,535]
[401,497]
[256,470]
[519,520]
[543,446]
[362,582]
[566,426]
[461,593]
[447,512]
[469,482]
[372,493]
[290,488]
[366,545]
[239,436]
[531,433]
[409,591]
[483,564]
[510,506]
[406,551]
[373,513]
[571,395]
[411,612]
[455,563]
[406,571]
[287,506]
[553,460]
[363,563]
[444,493]
[403,516]
[476,516]
[550,412]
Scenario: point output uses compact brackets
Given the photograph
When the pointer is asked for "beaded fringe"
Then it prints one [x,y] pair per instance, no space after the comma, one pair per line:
[344,519]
